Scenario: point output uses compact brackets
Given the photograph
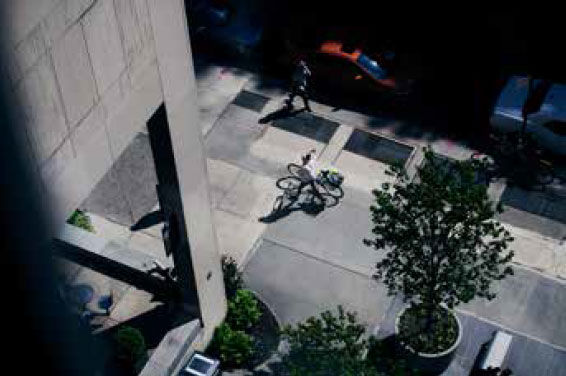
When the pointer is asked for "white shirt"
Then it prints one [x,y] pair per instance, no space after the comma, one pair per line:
[308,172]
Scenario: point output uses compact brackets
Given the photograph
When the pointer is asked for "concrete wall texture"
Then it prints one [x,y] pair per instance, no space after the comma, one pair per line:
[87,78]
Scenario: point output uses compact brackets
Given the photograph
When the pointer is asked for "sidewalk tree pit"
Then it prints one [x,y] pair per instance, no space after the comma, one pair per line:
[442,246]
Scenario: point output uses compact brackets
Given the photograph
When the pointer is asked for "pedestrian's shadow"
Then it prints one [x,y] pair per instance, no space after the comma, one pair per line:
[281,113]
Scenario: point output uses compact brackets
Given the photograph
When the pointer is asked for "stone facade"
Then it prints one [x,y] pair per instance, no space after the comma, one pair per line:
[88,77]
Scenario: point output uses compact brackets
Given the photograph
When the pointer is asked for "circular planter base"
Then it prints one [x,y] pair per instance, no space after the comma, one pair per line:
[429,364]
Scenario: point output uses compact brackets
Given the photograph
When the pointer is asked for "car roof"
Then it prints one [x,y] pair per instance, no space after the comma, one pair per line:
[335,48]
[514,94]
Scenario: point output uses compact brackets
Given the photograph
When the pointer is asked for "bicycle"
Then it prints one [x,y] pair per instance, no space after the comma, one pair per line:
[517,157]
[329,179]
[327,183]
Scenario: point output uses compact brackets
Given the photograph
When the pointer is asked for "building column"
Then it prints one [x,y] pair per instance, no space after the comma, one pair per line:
[176,72]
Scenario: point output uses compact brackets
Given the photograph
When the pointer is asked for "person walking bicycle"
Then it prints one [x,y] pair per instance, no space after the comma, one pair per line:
[308,175]
[299,85]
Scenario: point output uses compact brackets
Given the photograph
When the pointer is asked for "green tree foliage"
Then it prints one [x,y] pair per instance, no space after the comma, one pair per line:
[80,219]
[332,344]
[232,276]
[130,345]
[243,310]
[438,232]
[233,347]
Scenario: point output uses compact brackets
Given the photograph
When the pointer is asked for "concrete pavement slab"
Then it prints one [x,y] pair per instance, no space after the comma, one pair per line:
[335,235]
[360,172]
[151,246]
[109,230]
[298,286]
[236,236]
[280,148]
[133,303]
[222,177]
[335,145]
[217,86]
[528,303]
[232,137]
[251,196]
[526,241]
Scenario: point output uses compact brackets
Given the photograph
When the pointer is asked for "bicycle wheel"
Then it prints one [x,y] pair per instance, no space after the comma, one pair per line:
[288,183]
[329,200]
[294,169]
[333,190]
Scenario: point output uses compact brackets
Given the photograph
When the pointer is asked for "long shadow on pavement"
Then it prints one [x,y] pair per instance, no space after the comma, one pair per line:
[294,205]
[281,113]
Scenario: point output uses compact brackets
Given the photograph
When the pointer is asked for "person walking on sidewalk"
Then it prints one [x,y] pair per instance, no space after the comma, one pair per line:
[299,84]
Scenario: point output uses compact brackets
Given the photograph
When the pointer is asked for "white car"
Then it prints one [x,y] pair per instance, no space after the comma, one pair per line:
[547,124]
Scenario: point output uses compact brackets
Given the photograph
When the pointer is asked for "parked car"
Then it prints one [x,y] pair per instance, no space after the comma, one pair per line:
[546,108]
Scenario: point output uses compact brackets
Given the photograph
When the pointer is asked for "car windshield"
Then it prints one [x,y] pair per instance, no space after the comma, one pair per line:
[372,67]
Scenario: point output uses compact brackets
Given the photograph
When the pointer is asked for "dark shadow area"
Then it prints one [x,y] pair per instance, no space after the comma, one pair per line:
[308,125]
[281,113]
[153,325]
[126,192]
[251,101]
[309,208]
[378,148]
[148,220]
[293,204]
[116,270]
[543,212]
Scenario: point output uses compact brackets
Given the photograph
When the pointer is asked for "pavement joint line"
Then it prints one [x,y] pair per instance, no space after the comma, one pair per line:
[316,258]
[251,252]
[542,274]
[516,332]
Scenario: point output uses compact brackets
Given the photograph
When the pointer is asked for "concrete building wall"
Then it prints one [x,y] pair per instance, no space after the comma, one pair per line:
[87,78]
[85,73]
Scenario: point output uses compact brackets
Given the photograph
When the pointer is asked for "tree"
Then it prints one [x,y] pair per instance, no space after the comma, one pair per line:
[441,241]
[331,344]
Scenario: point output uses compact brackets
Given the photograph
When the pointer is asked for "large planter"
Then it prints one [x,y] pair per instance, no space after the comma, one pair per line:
[427,363]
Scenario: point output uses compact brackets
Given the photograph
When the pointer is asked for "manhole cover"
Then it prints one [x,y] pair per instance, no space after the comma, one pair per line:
[378,148]
[308,125]
[251,101]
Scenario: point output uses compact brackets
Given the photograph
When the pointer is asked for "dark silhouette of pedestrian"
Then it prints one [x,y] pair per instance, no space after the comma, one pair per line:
[299,84]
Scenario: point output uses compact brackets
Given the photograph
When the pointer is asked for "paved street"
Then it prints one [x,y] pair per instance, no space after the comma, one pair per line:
[303,263]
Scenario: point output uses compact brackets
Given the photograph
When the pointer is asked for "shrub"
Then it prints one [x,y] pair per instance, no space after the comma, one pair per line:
[232,276]
[243,310]
[233,347]
[130,345]
[80,219]
[332,344]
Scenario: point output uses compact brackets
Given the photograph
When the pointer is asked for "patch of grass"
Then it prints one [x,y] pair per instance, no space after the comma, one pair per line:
[80,219]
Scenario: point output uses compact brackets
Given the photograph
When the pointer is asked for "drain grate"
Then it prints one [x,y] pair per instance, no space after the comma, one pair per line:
[251,101]
[308,125]
[378,148]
